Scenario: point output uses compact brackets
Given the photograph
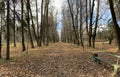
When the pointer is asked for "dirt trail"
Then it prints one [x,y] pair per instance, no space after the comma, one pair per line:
[57,60]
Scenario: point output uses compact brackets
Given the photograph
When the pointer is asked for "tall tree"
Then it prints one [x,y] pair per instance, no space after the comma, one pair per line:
[8,32]
[81,23]
[115,26]
[96,24]
[37,17]
[28,23]
[47,24]
[22,25]
[73,23]
[1,38]
[41,28]
[77,17]
[14,22]
[87,17]
[2,12]
[33,26]
[111,33]
[91,21]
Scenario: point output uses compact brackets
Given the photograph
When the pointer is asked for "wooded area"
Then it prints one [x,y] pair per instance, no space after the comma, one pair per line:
[30,29]
[84,23]
[21,24]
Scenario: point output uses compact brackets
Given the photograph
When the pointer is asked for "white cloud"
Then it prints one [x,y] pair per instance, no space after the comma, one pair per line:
[58,5]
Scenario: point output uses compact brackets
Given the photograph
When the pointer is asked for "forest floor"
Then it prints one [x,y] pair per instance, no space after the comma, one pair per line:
[56,60]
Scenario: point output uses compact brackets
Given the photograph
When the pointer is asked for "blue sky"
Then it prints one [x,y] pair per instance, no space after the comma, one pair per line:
[58,8]
[105,17]
[59,24]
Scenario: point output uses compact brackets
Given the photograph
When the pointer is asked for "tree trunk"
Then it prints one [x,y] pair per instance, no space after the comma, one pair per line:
[8,32]
[41,28]
[47,24]
[37,17]
[91,18]
[14,24]
[87,17]
[1,38]
[33,27]
[110,41]
[23,41]
[96,24]
[76,20]
[0,44]
[44,27]
[28,21]
[87,31]
[115,26]
[73,23]
[81,31]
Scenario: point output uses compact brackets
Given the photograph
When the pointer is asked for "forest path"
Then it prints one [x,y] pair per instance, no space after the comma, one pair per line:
[56,60]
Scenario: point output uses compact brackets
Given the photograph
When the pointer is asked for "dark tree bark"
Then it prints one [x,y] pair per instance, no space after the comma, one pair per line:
[23,41]
[81,31]
[91,19]
[96,24]
[76,18]
[41,28]
[14,22]
[8,32]
[44,28]
[47,24]
[0,44]
[115,26]
[37,17]
[33,27]
[110,40]
[1,38]
[28,21]
[87,16]
[73,23]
